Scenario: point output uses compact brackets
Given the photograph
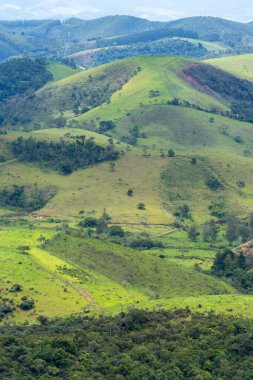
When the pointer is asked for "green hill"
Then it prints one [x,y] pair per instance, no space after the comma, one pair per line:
[143,108]
[215,28]
[240,65]
[139,97]
[54,38]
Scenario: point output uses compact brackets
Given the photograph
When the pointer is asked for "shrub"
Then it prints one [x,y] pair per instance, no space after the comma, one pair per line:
[182,212]
[141,206]
[213,184]
[171,153]
[116,231]
[142,244]
[26,304]
[89,222]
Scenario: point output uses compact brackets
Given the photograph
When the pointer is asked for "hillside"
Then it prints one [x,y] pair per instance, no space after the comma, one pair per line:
[54,38]
[215,29]
[240,65]
[172,126]
[134,102]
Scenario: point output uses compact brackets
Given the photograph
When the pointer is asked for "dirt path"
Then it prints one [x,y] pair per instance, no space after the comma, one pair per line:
[166,233]
[86,295]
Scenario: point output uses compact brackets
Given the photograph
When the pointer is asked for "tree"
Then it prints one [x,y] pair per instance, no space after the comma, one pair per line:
[116,231]
[232,228]
[89,222]
[193,233]
[102,223]
[182,212]
[130,192]
[210,231]
[213,184]
[141,206]
[171,153]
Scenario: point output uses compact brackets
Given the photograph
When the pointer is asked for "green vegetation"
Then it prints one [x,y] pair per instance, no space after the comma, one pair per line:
[240,65]
[238,91]
[74,95]
[21,76]
[61,71]
[126,204]
[63,156]
[163,47]
[25,198]
[84,347]
[236,268]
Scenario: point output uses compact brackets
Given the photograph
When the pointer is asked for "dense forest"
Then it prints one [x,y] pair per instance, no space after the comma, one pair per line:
[138,345]
[150,35]
[236,268]
[165,46]
[63,156]
[20,76]
[28,198]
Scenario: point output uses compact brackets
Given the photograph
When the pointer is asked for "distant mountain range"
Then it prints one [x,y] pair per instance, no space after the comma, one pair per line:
[57,38]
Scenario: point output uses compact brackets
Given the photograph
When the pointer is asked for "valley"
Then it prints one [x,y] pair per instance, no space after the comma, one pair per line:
[126,199]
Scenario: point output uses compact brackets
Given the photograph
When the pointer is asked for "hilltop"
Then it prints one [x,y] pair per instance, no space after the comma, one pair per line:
[148,106]
[126,36]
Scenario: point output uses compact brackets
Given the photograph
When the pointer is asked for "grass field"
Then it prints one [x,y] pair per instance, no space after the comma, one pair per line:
[239,65]
[37,272]
[60,71]
[216,47]
[158,73]
[71,273]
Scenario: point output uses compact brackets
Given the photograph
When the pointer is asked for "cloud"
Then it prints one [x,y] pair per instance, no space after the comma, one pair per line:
[59,9]
[10,7]
[154,13]
[46,9]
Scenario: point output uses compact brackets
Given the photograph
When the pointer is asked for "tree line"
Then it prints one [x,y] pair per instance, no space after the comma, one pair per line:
[63,156]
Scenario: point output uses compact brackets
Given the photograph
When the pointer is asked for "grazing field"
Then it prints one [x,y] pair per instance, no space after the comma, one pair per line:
[161,74]
[239,65]
[177,157]
[38,275]
[60,71]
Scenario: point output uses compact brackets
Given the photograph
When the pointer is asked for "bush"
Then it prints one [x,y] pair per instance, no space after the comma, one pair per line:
[141,206]
[142,244]
[116,231]
[171,153]
[26,304]
[213,184]
[89,222]
[182,212]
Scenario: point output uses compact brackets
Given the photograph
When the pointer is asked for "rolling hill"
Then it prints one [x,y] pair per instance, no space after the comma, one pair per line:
[240,65]
[145,108]
[138,96]
[125,192]
[55,39]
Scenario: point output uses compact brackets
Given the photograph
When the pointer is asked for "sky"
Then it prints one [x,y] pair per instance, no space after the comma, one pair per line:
[162,10]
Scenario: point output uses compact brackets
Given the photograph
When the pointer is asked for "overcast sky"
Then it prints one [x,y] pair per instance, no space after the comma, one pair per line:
[163,10]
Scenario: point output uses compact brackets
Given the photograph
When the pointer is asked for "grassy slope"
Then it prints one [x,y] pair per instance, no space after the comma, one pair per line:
[190,133]
[60,71]
[240,65]
[158,73]
[37,274]
[211,46]
[138,271]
